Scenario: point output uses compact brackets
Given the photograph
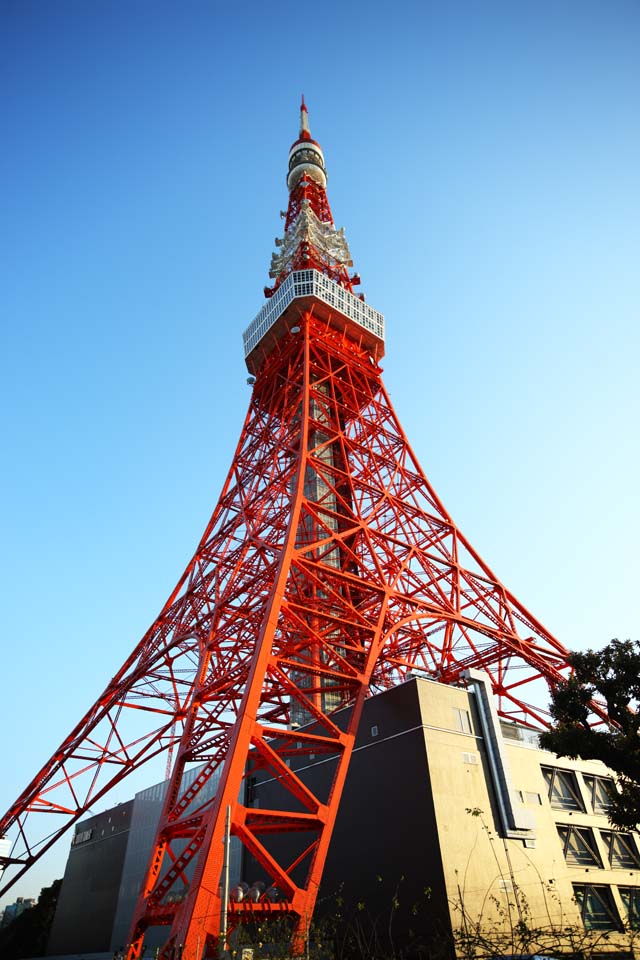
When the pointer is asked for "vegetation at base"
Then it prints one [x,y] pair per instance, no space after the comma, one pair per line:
[513,933]
[27,934]
[610,676]
[355,934]
[349,928]
[502,929]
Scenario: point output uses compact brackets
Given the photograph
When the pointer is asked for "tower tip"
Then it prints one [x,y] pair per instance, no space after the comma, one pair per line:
[305,133]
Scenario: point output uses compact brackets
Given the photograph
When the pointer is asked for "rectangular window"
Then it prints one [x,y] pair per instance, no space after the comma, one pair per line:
[461,720]
[621,850]
[596,906]
[578,846]
[630,897]
[562,789]
[600,790]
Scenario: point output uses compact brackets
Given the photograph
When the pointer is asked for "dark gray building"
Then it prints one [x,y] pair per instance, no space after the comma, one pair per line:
[107,863]
[90,889]
[383,872]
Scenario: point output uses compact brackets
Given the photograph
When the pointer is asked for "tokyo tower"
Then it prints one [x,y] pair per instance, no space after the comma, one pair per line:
[329,570]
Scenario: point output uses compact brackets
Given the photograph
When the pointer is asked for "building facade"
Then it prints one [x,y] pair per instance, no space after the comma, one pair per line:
[453,823]
[88,899]
[13,910]
[105,870]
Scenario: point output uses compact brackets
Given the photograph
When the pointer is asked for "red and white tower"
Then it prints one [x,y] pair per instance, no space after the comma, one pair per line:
[329,569]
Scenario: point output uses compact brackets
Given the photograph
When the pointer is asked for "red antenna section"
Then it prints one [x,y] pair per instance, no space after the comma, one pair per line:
[329,569]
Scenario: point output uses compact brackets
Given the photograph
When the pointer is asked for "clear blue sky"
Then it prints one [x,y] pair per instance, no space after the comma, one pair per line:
[484,159]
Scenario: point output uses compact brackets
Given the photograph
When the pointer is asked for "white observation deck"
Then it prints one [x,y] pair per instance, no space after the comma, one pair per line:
[345,312]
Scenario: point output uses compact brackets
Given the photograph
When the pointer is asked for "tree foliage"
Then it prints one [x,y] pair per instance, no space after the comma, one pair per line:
[27,935]
[611,677]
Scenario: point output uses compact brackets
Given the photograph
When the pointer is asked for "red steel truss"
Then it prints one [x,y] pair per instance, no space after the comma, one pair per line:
[328,570]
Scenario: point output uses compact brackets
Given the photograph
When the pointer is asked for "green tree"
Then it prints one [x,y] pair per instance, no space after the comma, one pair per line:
[610,677]
[27,935]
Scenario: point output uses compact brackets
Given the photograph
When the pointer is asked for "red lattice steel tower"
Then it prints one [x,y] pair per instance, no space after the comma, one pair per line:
[329,569]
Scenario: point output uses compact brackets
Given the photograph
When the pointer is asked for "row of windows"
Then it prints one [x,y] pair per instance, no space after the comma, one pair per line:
[311,283]
[565,794]
[598,909]
[581,849]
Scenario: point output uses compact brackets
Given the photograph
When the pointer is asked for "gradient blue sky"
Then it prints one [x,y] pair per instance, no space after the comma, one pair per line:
[484,159]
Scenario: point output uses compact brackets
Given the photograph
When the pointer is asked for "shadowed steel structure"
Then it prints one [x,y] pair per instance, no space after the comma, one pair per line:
[329,569]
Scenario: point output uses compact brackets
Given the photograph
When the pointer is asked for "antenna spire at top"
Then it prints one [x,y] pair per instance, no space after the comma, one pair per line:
[305,133]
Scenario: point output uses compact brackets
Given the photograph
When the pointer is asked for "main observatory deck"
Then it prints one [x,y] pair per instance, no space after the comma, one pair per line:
[333,303]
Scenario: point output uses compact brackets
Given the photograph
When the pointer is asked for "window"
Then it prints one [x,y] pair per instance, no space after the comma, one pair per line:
[630,897]
[596,907]
[579,846]
[600,790]
[461,720]
[621,850]
[562,789]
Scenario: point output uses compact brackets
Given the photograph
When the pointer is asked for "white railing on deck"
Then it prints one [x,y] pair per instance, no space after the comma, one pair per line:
[311,283]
